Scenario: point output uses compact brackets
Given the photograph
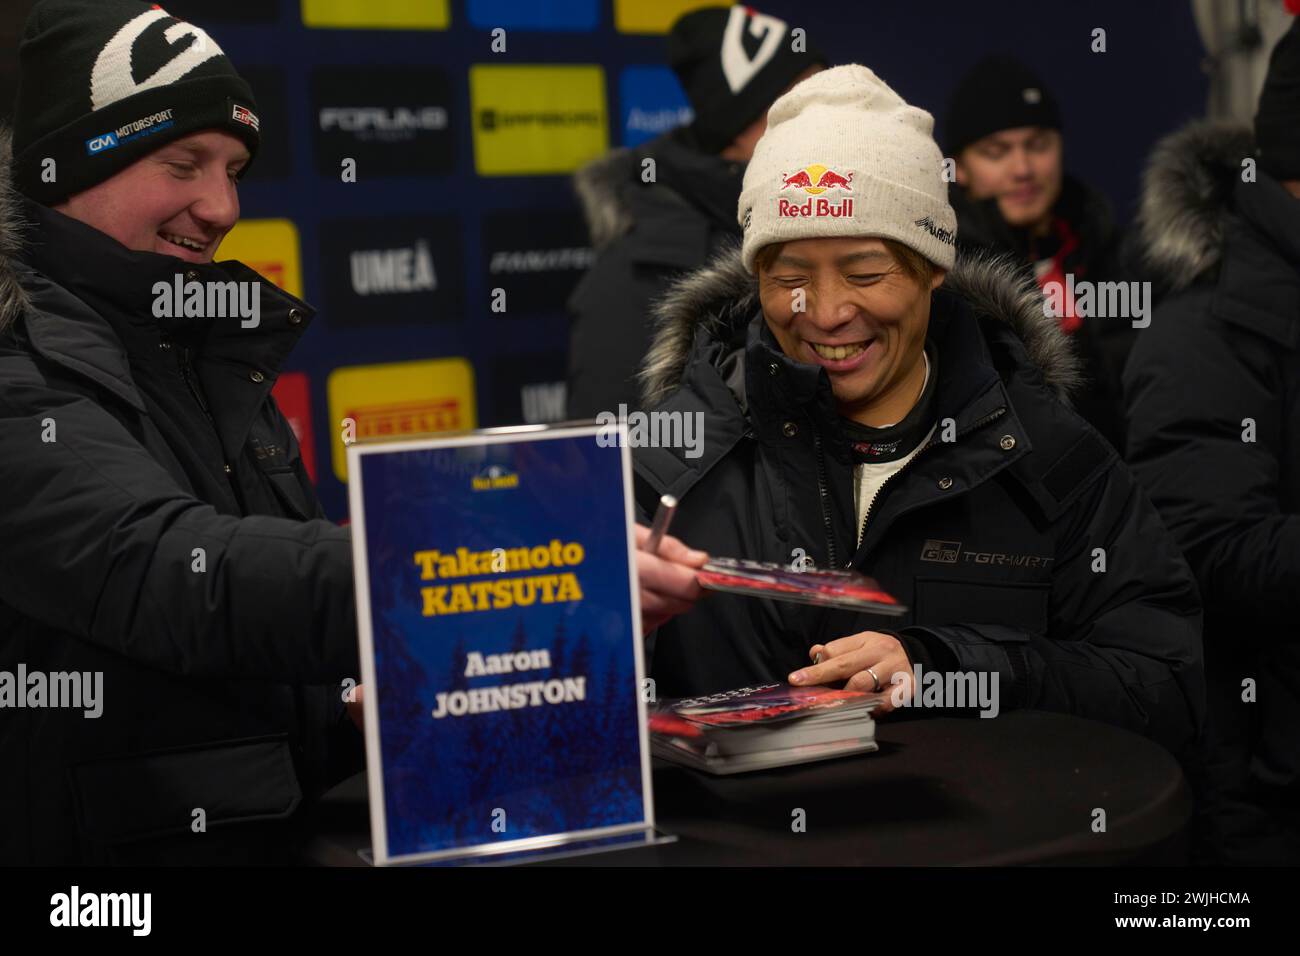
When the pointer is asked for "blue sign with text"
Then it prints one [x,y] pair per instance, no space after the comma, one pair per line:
[651,102]
[501,644]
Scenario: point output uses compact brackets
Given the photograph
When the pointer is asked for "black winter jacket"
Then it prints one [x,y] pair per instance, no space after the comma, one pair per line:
[990,540]
[1103,343]
[158,526]
[1214,435]
[645,234]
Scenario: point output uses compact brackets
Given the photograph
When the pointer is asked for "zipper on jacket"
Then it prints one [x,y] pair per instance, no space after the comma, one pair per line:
[187,373]
[821,491]
[191,381]
[866,515]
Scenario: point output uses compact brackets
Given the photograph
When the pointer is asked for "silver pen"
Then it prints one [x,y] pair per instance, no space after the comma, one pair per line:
[659,527]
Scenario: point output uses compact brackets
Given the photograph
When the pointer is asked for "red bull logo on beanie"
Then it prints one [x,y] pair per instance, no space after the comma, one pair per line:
[813,181]
[816,179]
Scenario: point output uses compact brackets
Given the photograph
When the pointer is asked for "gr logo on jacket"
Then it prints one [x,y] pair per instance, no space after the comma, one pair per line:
[992,540]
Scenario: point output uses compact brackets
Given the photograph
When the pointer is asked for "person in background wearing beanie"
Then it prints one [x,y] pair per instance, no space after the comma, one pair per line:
[732,62]
[1213,391]
[1012,195]
[159,537]
[871,400]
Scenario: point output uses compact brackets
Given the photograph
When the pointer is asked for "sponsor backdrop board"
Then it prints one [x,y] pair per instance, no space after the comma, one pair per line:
[413,183]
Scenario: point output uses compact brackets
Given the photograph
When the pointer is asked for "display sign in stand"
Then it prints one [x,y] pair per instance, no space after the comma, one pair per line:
[501,646]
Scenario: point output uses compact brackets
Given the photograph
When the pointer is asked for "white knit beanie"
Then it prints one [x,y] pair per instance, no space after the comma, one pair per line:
[844,155]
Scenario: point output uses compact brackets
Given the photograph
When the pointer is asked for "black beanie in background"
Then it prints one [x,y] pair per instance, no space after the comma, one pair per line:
[733,62]
[102,83]
[1277,122]
[998,93]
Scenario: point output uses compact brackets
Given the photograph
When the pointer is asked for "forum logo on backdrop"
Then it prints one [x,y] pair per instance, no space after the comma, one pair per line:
[392,121]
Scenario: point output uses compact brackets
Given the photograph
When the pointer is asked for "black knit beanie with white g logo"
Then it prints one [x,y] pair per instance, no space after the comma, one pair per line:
[103,83]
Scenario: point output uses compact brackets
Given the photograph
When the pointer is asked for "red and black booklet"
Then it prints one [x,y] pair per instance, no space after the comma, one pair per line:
[825,588]
[754,728]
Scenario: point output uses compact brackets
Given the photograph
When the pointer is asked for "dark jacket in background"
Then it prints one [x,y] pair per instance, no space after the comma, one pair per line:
[1103,343]
[165,441]
[644,235]
[989,540]
[1223,347]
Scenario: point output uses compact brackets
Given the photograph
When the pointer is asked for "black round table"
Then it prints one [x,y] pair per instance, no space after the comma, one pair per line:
[1022,788]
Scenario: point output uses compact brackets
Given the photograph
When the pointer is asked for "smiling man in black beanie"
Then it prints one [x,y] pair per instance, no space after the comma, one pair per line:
[733,62]
[104,84]
[159,528]
[1012,195]
[1213,390]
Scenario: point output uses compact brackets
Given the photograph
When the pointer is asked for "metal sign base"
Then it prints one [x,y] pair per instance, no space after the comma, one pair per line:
[648,836]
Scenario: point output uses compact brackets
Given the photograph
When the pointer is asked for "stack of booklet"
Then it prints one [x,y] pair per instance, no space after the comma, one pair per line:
[754,728]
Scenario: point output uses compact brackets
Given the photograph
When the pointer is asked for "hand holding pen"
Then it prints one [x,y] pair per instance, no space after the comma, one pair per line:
[665,569]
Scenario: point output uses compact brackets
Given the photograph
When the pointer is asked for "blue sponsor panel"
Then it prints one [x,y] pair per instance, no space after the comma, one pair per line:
[501,650]
[534,14]
[651,102]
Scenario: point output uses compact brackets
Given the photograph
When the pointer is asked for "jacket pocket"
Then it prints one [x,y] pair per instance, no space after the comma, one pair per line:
[945,601]
[141,808]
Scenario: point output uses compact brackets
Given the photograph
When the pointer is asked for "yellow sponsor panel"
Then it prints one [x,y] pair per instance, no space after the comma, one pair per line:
[399,400]
[268,247]
[531,120]
[655,16]
[377,14]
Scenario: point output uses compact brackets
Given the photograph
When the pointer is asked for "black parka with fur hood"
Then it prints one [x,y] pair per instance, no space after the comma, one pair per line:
[994,541]
[1213,392]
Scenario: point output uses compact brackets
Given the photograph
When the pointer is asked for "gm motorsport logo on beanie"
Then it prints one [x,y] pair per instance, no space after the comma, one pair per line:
[844,155]
[103,83]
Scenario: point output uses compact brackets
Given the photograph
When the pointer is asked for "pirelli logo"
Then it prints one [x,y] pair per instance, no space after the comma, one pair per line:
[406,418]
[941,552]
[399,400]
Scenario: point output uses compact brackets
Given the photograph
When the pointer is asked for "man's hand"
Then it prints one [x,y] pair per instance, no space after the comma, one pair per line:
[848,658]
[356,710]
[667,579]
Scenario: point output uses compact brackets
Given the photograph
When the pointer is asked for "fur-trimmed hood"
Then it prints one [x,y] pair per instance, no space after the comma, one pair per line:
[1186,199]
[722,294]
[681,179]
[599,185]
[13,300]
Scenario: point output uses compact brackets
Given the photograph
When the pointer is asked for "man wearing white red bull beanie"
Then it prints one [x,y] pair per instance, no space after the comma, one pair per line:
[870,400]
